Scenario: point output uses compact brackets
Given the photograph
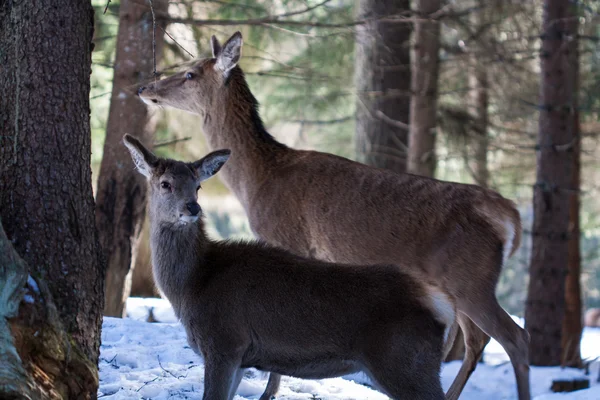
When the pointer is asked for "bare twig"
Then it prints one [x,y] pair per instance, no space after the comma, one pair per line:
[322,122]
[100,95]
[269,19]
[167,371]
[145,383]
[106,8]
[175,41]
[279,19]
[258,21]
[153,38]
[394,122]
[307,9]
[171,141]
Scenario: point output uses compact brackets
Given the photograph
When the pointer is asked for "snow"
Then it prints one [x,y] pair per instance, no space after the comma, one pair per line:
[141,360]
[32,287]
[33,284]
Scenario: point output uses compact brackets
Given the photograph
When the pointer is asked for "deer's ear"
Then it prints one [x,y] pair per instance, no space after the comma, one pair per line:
[211,163]
[229,55]
[143,158]
[215,45]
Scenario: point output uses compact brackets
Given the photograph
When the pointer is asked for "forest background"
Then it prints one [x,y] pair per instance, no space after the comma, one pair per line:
[306,75]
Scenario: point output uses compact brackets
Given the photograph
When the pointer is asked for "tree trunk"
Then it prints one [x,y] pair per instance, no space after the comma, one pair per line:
[545,307]
[46,201]
[572,325]
[423,105]
[121,195]
[382,76]
[142,280]
[478,100]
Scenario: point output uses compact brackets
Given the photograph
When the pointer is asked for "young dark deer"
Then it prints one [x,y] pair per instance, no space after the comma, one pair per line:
[321,205]
[251,305]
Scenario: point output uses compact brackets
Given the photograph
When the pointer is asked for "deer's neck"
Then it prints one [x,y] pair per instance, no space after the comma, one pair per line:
[236,125]
[177,257]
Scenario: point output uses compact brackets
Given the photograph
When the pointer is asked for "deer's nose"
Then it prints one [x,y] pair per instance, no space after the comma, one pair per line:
[193,207]
[141,89]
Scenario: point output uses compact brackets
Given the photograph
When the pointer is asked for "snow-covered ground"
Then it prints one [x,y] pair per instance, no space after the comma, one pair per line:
[141,360]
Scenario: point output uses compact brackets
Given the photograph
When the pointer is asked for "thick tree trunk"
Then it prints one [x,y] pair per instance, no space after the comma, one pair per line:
[423,105]
[382,76]
[121,198]
[572,325]
[46,202]
[545,306]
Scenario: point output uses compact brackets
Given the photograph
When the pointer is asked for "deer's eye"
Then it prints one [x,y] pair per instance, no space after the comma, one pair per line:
[165,185]
[189,76]
[198,188]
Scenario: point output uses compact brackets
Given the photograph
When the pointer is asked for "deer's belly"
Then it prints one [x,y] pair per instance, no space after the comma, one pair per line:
[313,369]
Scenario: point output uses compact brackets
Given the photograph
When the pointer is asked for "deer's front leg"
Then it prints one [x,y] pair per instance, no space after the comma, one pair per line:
[219,376]
[239,374]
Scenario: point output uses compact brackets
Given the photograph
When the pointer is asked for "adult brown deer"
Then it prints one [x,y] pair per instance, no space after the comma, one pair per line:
[335,209]
[247,304]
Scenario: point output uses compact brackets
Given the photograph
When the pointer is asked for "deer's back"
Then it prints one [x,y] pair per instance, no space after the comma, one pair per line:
[291,303]
[339,210]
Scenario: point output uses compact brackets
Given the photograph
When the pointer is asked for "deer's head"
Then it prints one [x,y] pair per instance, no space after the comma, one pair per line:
[174,184]
[194,89]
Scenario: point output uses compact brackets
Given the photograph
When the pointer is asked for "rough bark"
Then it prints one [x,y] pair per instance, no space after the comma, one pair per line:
[46,201]
[121,194]
[423,104]
[545,307]
[13,276]
[38,358]
[382,76]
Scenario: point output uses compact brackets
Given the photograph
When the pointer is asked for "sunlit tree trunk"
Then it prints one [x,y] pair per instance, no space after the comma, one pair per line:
[545,308]
[121,198]
[382,77]
[423,105]
[46,202]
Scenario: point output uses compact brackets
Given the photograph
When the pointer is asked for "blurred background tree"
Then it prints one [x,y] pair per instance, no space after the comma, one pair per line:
[382,78]
[121,194]
[557,150]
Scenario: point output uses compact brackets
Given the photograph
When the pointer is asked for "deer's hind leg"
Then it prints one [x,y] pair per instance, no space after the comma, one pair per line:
[475,342]
[404,365]
[272,387]
[491,318]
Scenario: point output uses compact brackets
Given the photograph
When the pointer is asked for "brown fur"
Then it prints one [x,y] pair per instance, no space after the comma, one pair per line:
[335,209]
[592,318]
[248,304]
